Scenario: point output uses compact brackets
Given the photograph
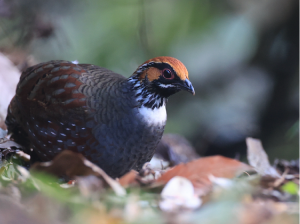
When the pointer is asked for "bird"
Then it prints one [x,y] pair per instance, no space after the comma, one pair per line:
[114,121]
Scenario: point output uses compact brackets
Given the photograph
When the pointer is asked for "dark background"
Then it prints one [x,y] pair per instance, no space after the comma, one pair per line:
[242,57]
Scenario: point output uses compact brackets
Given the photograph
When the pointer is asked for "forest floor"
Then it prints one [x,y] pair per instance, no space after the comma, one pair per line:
[215,189]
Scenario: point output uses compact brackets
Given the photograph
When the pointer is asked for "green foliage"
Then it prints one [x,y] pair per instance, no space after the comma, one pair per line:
[291,188]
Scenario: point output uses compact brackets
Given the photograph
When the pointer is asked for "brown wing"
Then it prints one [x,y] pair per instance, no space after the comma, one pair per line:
[53,86]
[48,113]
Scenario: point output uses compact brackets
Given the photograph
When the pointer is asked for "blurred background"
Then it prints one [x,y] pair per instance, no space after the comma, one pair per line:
[242,57]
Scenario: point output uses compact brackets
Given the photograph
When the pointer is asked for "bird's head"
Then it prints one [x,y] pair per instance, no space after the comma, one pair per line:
[164,75]
[159,78]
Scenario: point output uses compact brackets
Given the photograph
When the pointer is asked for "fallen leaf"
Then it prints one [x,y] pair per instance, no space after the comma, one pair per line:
[198,171]
[258,158]
[69,165]
[129,179]
[146,176]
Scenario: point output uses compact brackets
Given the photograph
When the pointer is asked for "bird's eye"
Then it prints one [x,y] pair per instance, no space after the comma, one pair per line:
[167,74]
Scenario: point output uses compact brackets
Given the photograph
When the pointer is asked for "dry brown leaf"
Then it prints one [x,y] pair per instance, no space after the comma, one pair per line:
[198,171]
[129,179]
[147,175]
[69,165]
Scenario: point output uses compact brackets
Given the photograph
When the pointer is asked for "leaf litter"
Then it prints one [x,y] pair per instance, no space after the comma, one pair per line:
[214,189]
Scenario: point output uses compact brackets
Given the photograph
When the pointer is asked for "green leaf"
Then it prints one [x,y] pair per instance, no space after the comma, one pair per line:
[290,187]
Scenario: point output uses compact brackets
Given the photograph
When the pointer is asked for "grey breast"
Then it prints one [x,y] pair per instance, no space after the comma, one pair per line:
[121,134]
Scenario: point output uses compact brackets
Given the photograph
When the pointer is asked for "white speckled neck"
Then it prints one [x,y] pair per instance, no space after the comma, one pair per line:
[156,116]
[145,96]
[151,106]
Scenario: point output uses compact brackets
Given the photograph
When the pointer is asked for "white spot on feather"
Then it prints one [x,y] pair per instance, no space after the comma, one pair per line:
[156,116]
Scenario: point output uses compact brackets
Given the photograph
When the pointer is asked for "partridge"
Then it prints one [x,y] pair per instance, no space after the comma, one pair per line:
[115,122]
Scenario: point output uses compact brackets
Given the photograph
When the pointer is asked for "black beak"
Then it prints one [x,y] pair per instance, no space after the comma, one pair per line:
[187,86]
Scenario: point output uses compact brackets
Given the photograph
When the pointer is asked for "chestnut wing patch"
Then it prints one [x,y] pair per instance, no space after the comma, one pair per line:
[52,86]
[49,107]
